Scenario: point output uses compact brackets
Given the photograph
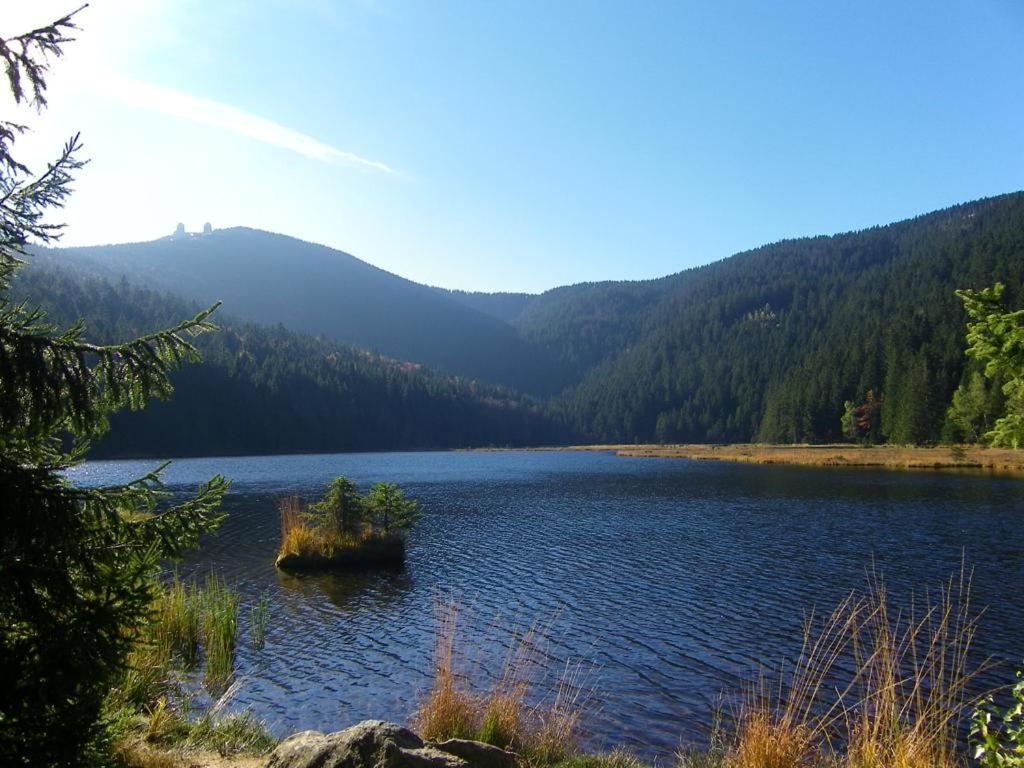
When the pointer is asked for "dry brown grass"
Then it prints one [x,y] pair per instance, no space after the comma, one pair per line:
[768,741]
[138,754]
[506,715]
[914,675]
[900,706]
[449,712]
[298,537]
[842,454]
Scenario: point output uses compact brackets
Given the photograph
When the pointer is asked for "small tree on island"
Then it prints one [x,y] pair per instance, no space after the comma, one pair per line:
[77,565]
[342,509]
[391,511]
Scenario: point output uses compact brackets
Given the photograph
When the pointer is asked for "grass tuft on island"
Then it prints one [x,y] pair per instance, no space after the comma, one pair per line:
[346,531]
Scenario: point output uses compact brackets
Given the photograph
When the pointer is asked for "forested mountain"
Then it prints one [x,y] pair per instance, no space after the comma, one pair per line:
[266,389]
[768,344]
[583,325]
[271,279]
[502,306]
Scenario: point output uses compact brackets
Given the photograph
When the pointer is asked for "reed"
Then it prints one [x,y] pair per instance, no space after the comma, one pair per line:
[450,711]
[153,701]
[541,730]
[220,625]
[258,615]
[177,630]
[899,704]
[913,680]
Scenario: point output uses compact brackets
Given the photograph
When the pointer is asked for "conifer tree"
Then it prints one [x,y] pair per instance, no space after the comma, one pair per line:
[995,338]
[968,414]
[77,565]
[343,509]
[391,510]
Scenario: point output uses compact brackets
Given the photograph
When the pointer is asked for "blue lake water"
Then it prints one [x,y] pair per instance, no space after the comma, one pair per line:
[671,580]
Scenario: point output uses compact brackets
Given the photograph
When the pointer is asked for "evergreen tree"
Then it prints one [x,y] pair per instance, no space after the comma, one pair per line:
[342,507]
[77,566]
[849,422]
[995,338]
[391,510]
[968,415]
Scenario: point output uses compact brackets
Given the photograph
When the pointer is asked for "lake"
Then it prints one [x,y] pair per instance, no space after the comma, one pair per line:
[670,580]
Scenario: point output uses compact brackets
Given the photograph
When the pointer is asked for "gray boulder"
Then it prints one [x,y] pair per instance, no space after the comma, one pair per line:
[370,744]
[427,756]
[476,753]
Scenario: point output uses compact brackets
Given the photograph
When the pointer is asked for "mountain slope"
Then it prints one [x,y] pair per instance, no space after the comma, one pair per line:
[585,324]
[768,344]
[269,390]
[268,278]
[501,306]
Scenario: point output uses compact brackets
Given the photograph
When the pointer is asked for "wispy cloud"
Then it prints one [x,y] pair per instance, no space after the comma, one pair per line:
[225,117]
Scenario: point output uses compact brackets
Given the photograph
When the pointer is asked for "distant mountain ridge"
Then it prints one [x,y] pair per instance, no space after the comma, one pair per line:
[767,344]
[265,389]
[270,278]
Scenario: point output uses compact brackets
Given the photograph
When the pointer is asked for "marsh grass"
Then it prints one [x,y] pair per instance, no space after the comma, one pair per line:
[219,616]
[509,714]
[872,688]
[168,734]
[176,630]
[840,454]
[617,758]
[259,612]
[191,626]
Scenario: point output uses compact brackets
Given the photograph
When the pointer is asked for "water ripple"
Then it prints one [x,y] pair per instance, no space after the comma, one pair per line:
[675,580]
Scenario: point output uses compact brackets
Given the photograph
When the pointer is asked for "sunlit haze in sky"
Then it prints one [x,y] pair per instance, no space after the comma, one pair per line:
[519,146]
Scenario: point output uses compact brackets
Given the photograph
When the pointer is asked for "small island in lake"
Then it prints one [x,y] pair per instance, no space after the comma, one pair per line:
[345,530]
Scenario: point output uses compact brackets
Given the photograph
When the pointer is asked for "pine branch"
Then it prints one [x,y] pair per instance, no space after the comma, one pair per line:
[178,528]
[8,132]
[26,57]
[26,60]
[23,205]
[47,380]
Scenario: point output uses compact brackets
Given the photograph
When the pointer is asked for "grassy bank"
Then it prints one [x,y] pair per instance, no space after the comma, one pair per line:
[873,687]
[170,706]
[833,455]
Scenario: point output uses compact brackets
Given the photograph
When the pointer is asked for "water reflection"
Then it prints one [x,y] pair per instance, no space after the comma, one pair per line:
[377,590]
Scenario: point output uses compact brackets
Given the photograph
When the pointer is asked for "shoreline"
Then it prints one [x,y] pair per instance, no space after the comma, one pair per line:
[829,455]
[833,455]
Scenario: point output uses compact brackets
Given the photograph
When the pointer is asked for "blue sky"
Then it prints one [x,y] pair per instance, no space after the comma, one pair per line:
[520,146]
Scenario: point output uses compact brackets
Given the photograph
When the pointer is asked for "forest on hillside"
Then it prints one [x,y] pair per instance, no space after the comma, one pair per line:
[266,389]
[778,344]
[769,345]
